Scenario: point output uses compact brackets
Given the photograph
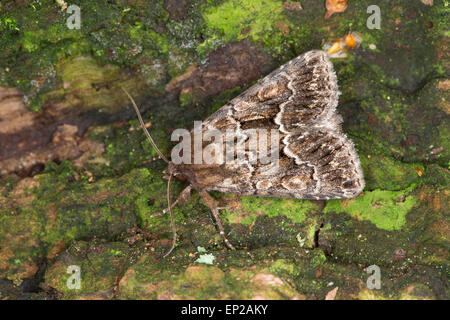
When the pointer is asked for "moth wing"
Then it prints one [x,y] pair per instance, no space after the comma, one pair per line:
[316,159]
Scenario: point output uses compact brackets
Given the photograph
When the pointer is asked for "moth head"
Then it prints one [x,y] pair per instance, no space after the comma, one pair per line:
[175,171]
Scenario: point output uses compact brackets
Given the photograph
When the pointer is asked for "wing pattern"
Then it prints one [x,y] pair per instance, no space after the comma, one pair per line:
[316,159]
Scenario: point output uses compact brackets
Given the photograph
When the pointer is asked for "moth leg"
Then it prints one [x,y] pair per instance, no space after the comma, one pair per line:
[182,198]
[211,204]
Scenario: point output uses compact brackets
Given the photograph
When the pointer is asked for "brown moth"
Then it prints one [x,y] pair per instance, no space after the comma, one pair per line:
[316,160]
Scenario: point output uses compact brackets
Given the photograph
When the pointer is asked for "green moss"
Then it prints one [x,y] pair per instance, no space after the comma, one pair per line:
[302,274]
[223,97]
[37,35]
[127,147]
[19,233]
[89,86]
[385,173]
[155,194]
[99,266]
[232,16]
[436,176]
[198,282]
[144,281]
[294,209]
[178,61]
[186,99]
[64,209]
[283,266]
[235,20]
[140,33]
[318,258]
[444,142]
[386,209]
[8,24]
[85,210]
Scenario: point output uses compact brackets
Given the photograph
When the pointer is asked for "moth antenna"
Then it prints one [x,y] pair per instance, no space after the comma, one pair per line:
[149,137]
[172,219]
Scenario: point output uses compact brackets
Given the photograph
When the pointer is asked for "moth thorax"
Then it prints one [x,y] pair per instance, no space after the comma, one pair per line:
[175,171]
[172,169]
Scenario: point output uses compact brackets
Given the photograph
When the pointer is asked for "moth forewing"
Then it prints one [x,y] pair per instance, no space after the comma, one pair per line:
[314,158]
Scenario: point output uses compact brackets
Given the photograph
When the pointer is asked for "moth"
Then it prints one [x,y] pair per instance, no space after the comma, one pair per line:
[316,159]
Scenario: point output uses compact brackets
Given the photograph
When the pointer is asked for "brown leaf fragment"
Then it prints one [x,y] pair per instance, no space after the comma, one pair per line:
[334,6]
[292,6]
[437,150]
[331,295]
[427,2]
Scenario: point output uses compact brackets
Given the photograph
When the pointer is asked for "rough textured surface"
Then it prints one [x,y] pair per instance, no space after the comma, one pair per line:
[78,185]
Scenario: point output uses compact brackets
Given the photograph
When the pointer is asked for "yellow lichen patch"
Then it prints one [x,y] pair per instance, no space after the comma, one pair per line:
[335,47]
[89,86]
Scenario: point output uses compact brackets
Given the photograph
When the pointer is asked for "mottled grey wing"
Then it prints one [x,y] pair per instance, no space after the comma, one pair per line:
[317,160]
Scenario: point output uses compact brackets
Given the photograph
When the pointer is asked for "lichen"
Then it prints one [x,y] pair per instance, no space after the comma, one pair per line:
[235,20]
[386,209]
[389,174]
